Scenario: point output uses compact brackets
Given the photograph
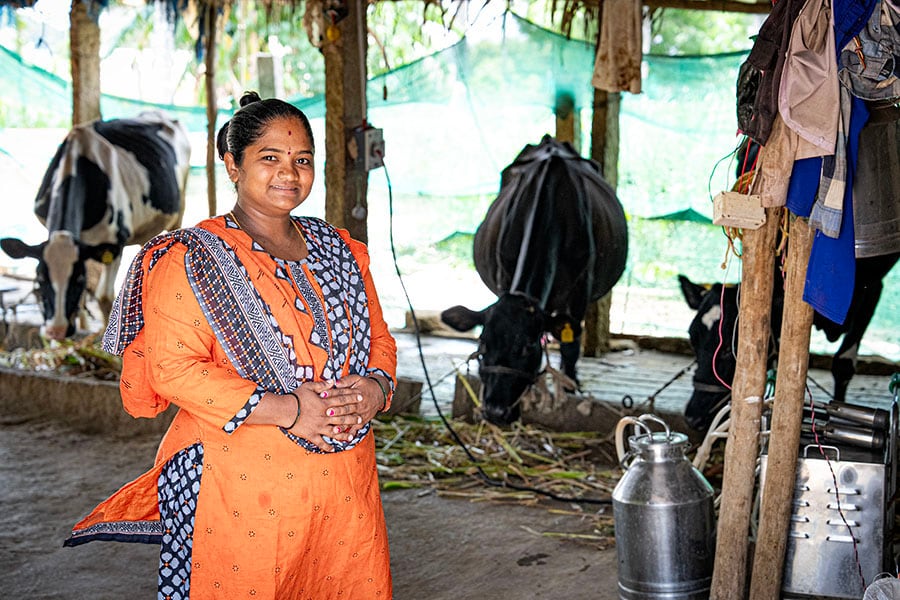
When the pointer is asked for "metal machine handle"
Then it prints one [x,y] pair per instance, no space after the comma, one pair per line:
[860,437]
[877,418]
[837,451]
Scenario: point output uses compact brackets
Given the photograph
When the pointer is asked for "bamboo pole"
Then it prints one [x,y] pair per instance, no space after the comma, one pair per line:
[730,569]
[787,414]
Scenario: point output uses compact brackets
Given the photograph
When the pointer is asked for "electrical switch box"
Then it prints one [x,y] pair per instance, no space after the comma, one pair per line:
[369,147]
[733,209]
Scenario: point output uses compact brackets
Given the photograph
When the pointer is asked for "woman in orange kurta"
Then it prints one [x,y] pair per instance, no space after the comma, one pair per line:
[266,331]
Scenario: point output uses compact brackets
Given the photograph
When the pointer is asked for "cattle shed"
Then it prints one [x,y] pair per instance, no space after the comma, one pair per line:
[346,107]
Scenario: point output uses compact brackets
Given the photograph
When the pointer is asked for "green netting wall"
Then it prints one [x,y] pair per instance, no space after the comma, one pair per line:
[474,105]
[454,119]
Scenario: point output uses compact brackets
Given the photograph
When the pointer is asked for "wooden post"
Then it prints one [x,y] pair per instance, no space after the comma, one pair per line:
[346,183]
[604,150]
[748,388]
[84,61]
[787,415]
[568,123]
[84,45]
[210,16]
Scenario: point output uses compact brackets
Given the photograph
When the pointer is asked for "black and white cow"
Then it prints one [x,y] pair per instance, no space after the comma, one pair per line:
[111,184]
[554,240]
[713,334]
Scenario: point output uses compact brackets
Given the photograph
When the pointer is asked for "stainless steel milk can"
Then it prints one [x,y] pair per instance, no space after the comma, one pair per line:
[664,519]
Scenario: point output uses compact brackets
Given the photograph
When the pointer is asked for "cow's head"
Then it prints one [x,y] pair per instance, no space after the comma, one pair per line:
[61,276]
[509,351]
[712,334]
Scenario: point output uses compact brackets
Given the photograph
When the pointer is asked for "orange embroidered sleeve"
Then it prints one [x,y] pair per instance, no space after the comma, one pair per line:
[185,364]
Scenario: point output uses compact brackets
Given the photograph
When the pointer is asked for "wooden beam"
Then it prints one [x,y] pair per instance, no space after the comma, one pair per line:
[748,389]
[718,5]
[787,414]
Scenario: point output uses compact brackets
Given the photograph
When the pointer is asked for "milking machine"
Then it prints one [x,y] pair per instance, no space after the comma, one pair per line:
[664,517]
[841,528]
[840,540]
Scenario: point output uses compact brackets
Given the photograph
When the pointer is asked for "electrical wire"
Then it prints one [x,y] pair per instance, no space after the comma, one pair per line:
[481,473]
[837,490]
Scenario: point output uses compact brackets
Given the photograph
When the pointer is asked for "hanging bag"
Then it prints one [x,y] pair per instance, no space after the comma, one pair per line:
[870,62]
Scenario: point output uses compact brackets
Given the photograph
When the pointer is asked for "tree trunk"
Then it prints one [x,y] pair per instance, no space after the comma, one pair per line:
[346,182]
[84,44]
[748,388]
[212,112]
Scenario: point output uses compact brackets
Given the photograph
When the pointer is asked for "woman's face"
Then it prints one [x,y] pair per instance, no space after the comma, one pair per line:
[277,174]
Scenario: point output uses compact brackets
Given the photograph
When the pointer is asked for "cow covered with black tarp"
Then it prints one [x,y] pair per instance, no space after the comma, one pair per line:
[554,240]
[110,184]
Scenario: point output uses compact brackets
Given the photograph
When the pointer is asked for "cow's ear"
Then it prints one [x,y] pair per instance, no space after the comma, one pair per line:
[461,318]
[16,248]
[564,328]
[102,253]
[693,292]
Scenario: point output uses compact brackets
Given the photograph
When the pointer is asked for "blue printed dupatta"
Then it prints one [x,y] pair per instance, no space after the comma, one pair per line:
[242,320]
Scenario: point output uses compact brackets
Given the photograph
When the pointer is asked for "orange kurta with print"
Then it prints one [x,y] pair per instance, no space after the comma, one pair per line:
[273,520]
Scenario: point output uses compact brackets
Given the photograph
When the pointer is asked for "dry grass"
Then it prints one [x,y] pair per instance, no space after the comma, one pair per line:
[74,358]
[569,474]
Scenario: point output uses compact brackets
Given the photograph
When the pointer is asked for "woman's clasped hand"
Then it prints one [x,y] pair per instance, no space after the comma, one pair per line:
[336,409]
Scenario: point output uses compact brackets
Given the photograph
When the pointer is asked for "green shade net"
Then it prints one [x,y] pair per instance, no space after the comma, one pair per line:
[454,119]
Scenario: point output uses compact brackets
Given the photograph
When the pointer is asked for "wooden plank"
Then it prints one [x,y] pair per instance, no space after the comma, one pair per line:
[730,570]
[787,414]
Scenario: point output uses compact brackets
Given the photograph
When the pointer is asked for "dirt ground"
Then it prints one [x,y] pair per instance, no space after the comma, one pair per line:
[441,548]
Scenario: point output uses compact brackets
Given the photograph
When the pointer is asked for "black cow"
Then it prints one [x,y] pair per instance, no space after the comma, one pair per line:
[554,240]
[713,333]
[110,184]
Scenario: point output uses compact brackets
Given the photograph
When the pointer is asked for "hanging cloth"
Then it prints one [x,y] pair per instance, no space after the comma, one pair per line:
[808,97]
[617,66]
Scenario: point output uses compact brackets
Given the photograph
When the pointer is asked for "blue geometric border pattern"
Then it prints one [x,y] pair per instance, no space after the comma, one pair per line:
[246,332]
[238,315]
[139,532]
[178,489]
[337,272]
